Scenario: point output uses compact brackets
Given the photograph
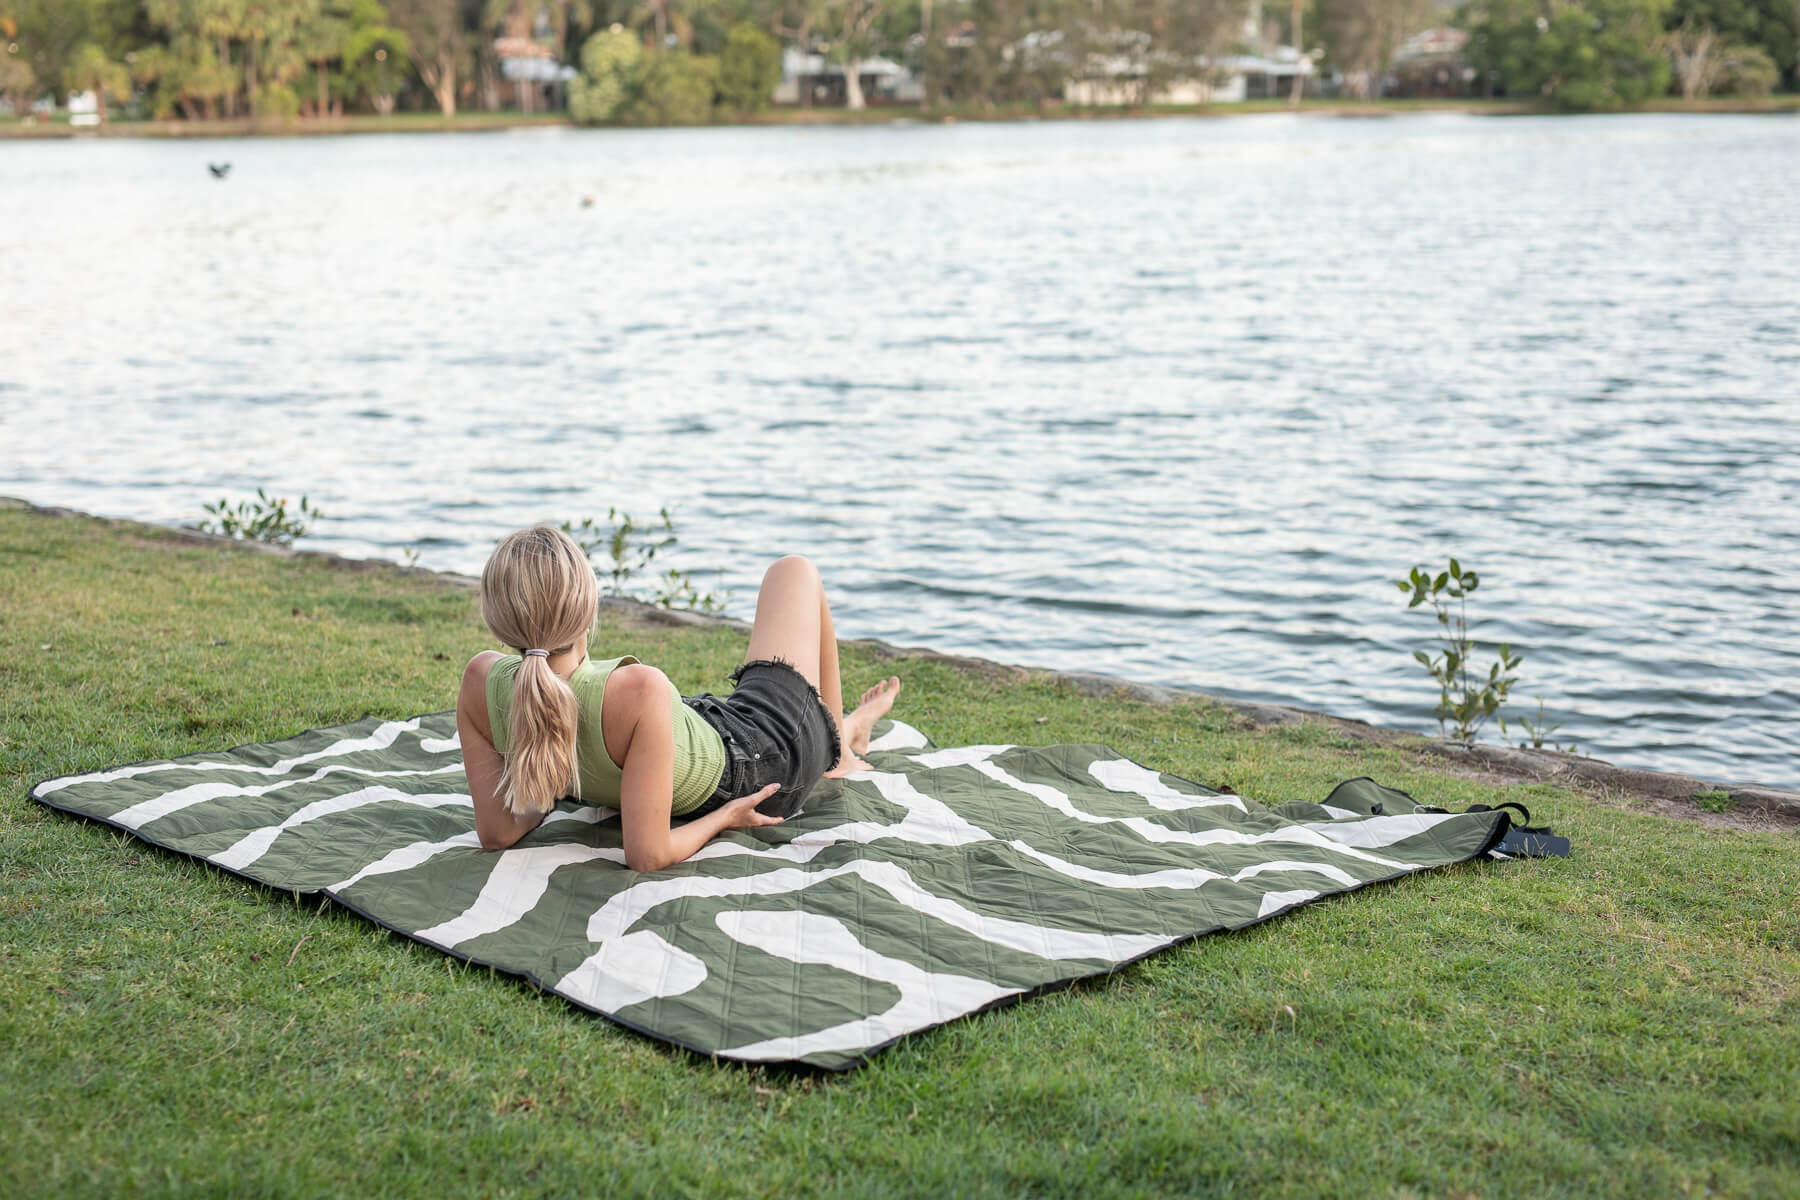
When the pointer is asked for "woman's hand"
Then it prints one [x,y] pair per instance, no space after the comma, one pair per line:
[651,847]
[640,704]
[741,813]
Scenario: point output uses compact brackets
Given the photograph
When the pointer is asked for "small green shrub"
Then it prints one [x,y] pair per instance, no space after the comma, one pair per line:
[749,69]
[630,547]
[611,63]
[675,88]
[1716,800]
[1462,707]
[676,589]
[261,520]
[1745,71]
[630,550]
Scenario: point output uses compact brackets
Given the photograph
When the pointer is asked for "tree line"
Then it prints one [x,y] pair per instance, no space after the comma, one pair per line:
[658,61]
[1602,54]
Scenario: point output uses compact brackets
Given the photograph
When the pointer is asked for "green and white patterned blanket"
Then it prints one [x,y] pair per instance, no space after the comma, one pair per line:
[940,883]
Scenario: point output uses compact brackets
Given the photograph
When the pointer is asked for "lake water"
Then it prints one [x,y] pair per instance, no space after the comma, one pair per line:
[1169,399]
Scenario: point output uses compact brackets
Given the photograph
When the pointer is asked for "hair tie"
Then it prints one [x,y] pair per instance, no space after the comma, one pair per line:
[537,654]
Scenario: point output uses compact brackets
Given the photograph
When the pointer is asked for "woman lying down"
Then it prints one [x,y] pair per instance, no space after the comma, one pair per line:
[547,721]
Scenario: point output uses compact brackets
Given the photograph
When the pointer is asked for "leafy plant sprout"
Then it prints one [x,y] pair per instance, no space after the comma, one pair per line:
[631,548]
[1538,731]
[261,520]
[1462,707]
[676,589]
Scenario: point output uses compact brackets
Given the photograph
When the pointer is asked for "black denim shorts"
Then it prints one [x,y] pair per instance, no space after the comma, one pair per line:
[776,730]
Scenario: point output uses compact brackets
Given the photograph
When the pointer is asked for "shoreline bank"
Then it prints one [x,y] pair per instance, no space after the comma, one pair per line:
[1668,793]
[903,114]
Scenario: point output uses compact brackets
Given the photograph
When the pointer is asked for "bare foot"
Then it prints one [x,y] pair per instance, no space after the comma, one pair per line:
[849,764]
[874,705]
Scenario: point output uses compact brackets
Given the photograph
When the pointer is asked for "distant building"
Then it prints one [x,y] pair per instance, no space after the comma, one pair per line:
[810,77]
[1432,64]
[1122,73]
[1214,79]
[531,67]
[1121,68]
[84,108]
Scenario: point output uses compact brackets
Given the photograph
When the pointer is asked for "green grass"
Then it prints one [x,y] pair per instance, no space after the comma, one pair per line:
[1619,1023]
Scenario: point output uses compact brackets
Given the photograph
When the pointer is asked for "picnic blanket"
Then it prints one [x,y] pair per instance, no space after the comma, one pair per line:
[940,883]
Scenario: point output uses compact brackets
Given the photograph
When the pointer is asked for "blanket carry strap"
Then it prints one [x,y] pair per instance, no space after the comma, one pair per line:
[1523,839]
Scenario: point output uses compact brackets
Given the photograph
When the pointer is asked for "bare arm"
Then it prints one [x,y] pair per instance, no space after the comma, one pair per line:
[640,735]
[494,825]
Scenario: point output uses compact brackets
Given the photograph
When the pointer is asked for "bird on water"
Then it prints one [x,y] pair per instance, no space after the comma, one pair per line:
[219,170]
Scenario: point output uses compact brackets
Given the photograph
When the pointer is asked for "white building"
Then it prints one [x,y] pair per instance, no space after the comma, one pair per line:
[1215,79]
[883,80]
[84,108]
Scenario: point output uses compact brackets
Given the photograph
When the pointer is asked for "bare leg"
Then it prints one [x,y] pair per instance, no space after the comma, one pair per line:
[831,686]
[788,611]
[793,623]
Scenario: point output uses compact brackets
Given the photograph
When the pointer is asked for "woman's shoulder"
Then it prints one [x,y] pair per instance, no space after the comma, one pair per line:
[482,665]
[596,678]
[621,673]
[602,668]
[632,684]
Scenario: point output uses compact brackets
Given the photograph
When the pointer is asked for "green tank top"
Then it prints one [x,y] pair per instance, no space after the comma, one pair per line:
[699,751]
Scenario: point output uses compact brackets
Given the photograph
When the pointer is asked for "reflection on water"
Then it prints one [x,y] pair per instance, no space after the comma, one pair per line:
[1170,399]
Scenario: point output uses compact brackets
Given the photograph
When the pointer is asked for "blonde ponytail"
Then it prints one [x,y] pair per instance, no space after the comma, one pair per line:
[541,765]
[537,592]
